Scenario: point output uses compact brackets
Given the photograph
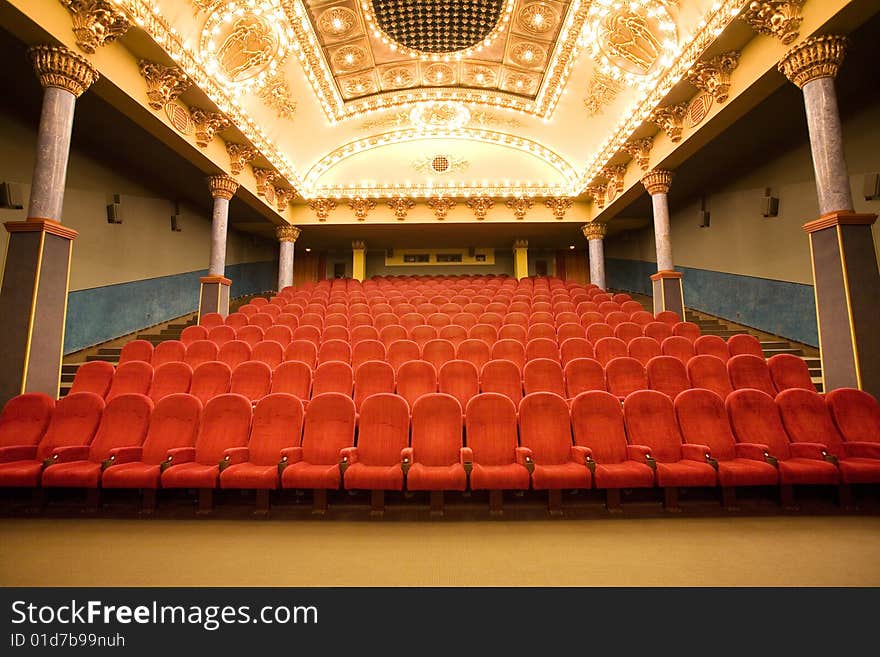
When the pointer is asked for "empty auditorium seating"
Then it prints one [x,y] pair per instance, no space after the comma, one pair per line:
[95,376]
[678,347]
[543,375]
[220,335]
[169,351]
[789,371]
[476,352]
[334,350]
[459,378]
[309,333]
[609,348]
[190,334]
[74,422]
[141,350]
[667,375]
[200,351]
[643,350]
[502,377]
[251,379]
[209,380]
[747,371]
[414,379]
[456,333]
[583,374]
[687,330]
[402,351]
[371,378]
[168,379]
[741,344]
[333,376]
[269,352]
[360,333]
[856,415]
[710,373]
[668,317]
[627,331]
[292,377]
[625,375]
[658,331]
[135,376]
[366,350]
[712,345]
[438,352]
[572,348]
[234,353]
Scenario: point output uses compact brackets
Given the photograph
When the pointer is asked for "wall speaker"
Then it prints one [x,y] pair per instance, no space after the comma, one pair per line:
[704,218]
[114,210]
[872,186]
[11,196]
[175,223]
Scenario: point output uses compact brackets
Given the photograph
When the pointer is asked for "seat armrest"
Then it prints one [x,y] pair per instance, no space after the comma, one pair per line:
[816,451]
[70,453]
[642,454]
[291,455]
[126,454]
[178,455]
[861,449]
[695,452]
[406,459]
[524,458]
[467,459]
[753,451]
[582,455]
[233,456]
[18,453]
[348,455]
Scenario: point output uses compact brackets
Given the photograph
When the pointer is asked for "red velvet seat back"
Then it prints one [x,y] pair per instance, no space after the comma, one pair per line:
[210,320]
[170,378]
[124,423]
[73,422]
[658,331]
[710,373]
[303,351]
[459,378]
[755,419]
[251,379]
[741,344]
[220,335]
[543,375]
[383,429]
[438,352]
[209,380]
[678,347]
[747,371]
[712,345]
[667,375]
[277,423]
[25,419]
[511,350]
[542,348]
[456,333]
[545,427]
[226,422]
[572,348]
[474,351]
[252,335]
[807,419]
[485,332]
[625,375]
[294,378]
[643,349]
[138,350]
[365,332]
[401,351]
[135,376]
[597,423]
[687,330]
[200,351]
[95,376]
[169,351]
[490,421]
[650,420]
[421,335]
[334,350]
[583,374]
[334,376]
[856,414]
[370,378]
[269,352]
[703,420]
[309,333]
[627,331]
[174,423]
[607,349]
[192,333]
[328,428]
[547,331]
[503,377]
[414,379]
[790,371]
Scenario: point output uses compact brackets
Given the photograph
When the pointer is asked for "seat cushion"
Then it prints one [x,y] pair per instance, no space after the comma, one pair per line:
[562,475]
[439,477]
[250,475]
[20,474]
[131,475]
[191,475]
[627,474]
[798,470]
[686,473]
[76,474]
[374,477]
[859,470]
[308,475]
[746,472]
[512,476]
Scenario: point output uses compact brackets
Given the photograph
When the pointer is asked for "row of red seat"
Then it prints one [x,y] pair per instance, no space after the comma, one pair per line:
[699,441]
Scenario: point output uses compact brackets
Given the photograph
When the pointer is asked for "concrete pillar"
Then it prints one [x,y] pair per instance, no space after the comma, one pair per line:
[33,298]
[358,260]
[666,283]
[521,259]
[845,270]
[287,236]
[595,234]
[214,296]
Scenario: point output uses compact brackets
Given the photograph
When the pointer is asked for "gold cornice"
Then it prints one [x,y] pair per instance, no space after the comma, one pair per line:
[284,196]
[95,23]
[164,83]
[520,206]
[778,18]
[640,151]
[597,193]
[559,205]
[287,233]
[264,178]
[657,181]
[56,66]
[322,207]
[222,186]
[817,57]
[614,175]
[401,206]
[441,206]
[480,205]
[361,207]
[595,230]
[207,125]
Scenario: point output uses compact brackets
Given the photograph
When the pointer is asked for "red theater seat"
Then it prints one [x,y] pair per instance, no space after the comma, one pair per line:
[502,377]
[367,350]
[856,415]
[371,378]
[790,371]
[141,350]
[334,376]
[459,378]
[169,351]
[476,352]
[608,349]
[624,376]
[643,350]
[135,376]
[582,375]
[667,375]
[511,350]
[402,351]
[220,335]
[658,331]
[95,376]
[169,379]
[24,420]
[747,371]
[309,333]
[210,320]
[627,331]
[303,351]
[237,320]
[200,351]
[421,335]
[269,352]
[712,345]
[744,344]
[192,333]
[438,352]
[334,350]
[234,353]
[710,373]
[678,347]
[250,335]
[668,317]
[251,379]
[456,333]
[414,379]
[543,375]
[687,330]
[209,380]
[294,378]
[544,348]
[485,332]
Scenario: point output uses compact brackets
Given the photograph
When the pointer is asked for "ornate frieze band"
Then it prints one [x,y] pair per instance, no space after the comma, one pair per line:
[57,66]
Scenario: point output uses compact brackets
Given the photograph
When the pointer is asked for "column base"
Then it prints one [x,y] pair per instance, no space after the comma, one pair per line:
[846,280]
[214,295]
[668,292]
[33,304]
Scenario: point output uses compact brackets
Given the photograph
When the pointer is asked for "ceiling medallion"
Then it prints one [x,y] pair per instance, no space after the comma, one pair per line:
[337,22]
[439,74]
[480,76]
[519,83]
[243,43]
[432,30]
[445,115]
[698,109]
[440,164]
[632,42]
[537,18]
[398,77]
[349,58]
[528,55]
[359,85]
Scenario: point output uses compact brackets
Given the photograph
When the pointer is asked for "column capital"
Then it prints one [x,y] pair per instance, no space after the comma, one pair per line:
[56,66]
[164,83]
[657,181]
[222,186]
[520,244]
[287,233]
[595,230]
[96,22]
[817,57]
[207,125]
[358,245]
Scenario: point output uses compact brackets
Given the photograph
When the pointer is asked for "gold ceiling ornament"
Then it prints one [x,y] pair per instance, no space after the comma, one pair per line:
[713,75]
[337,22]
[349,58]
[96,22]
[222,186]
[207,125]
[538,18]
[239,155]
[479,76]
[164,83]
[284,196]
[597,193]
[438,164]
[398,77]
[640,151]
[361,206]
[595,230]
[480,205]
[359,85]
[56,66]
[287,233]
[779,18]
[603,90]
[484,118]
[206,5]
[322,207]
[519,83]
[441,206]
[657,181]
[401,206]
[439,114]
[817,57]
[698,109]
[265,179]
[669,119]
[528,54]
[276,94]
[520,206]
[614,175]
[559,205]
[438,73]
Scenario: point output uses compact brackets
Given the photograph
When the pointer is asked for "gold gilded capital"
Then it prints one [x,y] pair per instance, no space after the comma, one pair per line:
[222,186]
[520,244]
[595,230]
[207,125]
[56,66]
[287,233]
[164,83]
[96,22]
[657,181]
[358,245]
[817,57]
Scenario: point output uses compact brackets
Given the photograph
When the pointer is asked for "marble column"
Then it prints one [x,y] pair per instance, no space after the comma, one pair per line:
[287,236]
[214,296]
[666,283]
[595,234]
[521,259]
[33,298]
[842,251]
[358,260]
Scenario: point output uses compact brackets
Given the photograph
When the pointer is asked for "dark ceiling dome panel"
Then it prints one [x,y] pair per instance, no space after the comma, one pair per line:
[437,26]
